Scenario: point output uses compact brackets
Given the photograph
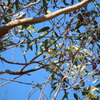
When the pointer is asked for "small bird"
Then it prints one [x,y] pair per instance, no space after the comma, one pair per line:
[54,66]
[52,51]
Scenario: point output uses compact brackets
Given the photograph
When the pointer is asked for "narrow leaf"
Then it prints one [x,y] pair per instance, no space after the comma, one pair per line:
[44,29]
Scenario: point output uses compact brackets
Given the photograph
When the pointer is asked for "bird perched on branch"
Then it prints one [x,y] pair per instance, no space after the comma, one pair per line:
[54,66]
[52,51]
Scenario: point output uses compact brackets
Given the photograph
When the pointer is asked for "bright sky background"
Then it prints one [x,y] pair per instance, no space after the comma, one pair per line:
[17,91]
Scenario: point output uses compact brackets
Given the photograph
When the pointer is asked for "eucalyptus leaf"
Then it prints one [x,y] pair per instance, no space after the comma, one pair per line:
[43,29]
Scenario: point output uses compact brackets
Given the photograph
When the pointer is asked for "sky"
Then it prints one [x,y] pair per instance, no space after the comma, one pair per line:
[17,91]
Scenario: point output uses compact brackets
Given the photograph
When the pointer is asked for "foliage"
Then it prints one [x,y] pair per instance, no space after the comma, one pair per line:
[75,38]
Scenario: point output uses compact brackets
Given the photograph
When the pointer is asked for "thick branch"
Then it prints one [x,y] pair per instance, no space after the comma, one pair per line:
[34,20]
[20,73]
[10,62]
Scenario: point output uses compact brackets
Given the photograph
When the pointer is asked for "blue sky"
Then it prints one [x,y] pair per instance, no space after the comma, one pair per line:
[17,91]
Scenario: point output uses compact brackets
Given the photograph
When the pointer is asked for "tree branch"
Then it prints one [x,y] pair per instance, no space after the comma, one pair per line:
[16,63]
[34,20]
[28,5]
[19,72]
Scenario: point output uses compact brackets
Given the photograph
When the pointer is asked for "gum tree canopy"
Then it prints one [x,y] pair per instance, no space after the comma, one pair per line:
[55,41]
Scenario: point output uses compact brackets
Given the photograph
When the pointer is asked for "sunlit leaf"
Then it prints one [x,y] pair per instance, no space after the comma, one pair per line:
[72,48]
[31,28]
[38,53]
[48,11]
[79,57]
[43,35]
[96,75]
[78,88]
[95,80]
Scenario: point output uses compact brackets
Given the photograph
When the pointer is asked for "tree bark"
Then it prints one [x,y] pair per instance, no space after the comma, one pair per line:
[34,20]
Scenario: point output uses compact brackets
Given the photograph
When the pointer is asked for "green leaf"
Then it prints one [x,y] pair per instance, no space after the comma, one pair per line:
[77,88]
[96,75]
[44,45]
[29,33]
[56,34]
[75,96]
[36,45]
[31,28]
[98,85]
[17,5]
[65,95]
[72,2]
[72,48]
[43,29]
[85,92]
[38,53]
[96,80]
[21,46]
[43,35]
[64,1]
[6,20]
